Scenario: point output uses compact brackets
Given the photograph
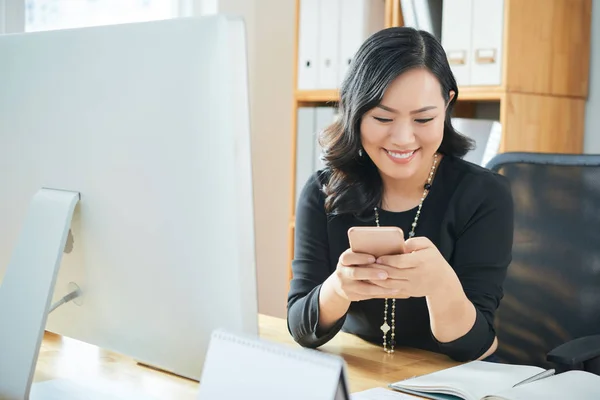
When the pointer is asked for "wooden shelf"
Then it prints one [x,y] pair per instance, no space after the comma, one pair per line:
[317,96]
[480,93]
[467,93]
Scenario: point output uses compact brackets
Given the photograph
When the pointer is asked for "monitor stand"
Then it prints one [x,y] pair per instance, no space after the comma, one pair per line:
[25,295]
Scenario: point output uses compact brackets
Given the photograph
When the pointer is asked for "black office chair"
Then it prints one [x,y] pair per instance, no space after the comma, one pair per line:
[550,314]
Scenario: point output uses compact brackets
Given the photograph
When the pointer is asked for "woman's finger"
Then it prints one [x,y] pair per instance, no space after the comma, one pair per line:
[373,291]
[417,243]
[362,273]
[395,273]
[350,258]
[399,261]
[400,285]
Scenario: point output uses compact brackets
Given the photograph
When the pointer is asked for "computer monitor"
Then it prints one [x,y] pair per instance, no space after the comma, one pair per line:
[148,123]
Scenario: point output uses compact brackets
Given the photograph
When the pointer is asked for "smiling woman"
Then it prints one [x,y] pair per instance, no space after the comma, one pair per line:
[396,103]
[393,158]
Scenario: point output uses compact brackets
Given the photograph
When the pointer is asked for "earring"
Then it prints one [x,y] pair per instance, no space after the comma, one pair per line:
[360,152]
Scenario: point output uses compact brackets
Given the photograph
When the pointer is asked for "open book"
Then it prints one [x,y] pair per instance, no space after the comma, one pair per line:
[480,380]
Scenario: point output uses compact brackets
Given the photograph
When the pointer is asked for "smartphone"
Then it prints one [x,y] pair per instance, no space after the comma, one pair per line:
[377,241]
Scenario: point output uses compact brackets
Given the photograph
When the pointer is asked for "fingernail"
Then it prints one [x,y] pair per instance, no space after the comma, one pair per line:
[382,275]
[378,261]
[371,260]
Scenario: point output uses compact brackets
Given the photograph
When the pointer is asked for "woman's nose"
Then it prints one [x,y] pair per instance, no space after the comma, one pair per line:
[402,134]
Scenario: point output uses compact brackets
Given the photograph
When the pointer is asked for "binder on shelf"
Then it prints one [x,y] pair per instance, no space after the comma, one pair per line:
[311,121]
[486,53]
[324,117]
[456,38]
[472,35]
[308,42]
[429,16]
[359,19]
[328,53]
[408,13]
[243,367]
[305,148]
[329,34]
[424,15]
[487,135]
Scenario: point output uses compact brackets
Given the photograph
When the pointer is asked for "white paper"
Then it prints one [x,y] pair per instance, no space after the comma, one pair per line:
[578,385]
[380,394]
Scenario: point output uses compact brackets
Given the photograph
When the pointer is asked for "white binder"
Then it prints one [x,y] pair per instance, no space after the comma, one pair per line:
[308,44]
[487,135]
[359,19]
[408,14]
[324,117]
[243,367]
[328,47]
[486,53]
[456,38]
[305,148]
[472,35]
[429,15]
[424,15]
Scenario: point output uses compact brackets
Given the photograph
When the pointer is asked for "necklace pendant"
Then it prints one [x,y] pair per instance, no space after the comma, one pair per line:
[385,328]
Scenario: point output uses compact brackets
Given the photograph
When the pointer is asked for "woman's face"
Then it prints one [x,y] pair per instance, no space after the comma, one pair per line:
[404,131]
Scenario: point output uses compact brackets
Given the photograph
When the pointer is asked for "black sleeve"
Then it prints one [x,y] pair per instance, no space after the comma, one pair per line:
[310,267]
[482,254]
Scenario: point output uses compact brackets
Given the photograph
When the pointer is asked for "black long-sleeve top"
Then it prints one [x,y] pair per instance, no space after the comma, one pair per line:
[468,215]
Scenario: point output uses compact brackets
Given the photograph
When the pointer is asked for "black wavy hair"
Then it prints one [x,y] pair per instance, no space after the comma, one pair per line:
[354,184]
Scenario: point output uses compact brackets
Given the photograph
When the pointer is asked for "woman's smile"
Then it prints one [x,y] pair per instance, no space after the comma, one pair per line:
[401,157]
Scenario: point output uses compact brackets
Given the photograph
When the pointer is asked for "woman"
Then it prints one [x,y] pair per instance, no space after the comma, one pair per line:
[394,159]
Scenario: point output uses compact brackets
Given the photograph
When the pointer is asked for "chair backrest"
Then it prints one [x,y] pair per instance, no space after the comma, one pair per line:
[552,289]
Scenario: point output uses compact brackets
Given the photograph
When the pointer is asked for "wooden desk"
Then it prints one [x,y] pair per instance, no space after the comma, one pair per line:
[368,365]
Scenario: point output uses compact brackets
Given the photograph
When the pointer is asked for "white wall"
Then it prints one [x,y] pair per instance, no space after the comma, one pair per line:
[591,141]
[272,112]
[270,29]
[12,16]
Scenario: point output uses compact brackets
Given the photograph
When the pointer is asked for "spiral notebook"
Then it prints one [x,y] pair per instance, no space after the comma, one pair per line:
[244,367]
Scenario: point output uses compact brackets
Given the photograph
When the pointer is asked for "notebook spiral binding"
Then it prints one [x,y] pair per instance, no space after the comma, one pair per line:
[310,356]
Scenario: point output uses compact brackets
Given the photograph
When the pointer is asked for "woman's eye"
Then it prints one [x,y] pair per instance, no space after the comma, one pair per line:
[383,119]
[423,120]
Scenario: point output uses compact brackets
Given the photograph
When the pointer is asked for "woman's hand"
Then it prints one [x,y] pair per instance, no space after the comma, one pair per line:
[421,271]
[356,276]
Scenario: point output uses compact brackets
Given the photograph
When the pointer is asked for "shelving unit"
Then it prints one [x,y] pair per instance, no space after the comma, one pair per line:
[544,85]
[316,96]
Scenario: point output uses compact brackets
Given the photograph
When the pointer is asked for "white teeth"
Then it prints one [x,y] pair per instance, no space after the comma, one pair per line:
[400,155]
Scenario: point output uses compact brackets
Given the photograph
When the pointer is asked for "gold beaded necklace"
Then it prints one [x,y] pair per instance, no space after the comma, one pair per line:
[385,328]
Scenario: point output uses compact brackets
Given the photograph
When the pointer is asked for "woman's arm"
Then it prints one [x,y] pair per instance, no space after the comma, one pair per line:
[311,268]
[464,292]
[322,290]
[462,311]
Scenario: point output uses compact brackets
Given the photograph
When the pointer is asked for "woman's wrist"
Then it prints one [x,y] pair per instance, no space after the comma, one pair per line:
[332,306]
[452,314]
